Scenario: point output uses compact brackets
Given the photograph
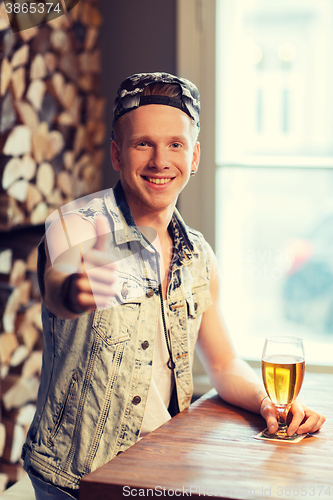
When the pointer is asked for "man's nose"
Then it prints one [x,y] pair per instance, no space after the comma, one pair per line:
[159,158]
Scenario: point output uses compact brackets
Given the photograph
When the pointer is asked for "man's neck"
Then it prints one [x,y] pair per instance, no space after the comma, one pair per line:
[158,220]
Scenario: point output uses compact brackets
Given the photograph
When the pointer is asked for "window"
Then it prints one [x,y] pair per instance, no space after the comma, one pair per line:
[274,180]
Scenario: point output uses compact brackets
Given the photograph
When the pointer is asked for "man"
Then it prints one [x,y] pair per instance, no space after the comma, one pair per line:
[128,291]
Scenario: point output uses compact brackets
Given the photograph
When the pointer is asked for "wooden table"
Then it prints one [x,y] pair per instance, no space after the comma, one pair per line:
[210,450]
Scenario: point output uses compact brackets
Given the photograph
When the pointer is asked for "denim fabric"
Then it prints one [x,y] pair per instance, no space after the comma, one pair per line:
[44,491]
[96,372]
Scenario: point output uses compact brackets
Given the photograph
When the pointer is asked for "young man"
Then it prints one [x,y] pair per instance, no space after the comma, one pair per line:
[128,292]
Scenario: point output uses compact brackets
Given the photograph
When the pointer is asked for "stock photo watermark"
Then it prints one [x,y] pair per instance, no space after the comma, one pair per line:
[138,269]
[25,14]
[263,491]
[252,264]
[189,491]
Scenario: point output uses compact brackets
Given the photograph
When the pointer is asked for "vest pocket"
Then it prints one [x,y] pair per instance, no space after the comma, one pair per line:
[62,411]
[198,301]
[116,324]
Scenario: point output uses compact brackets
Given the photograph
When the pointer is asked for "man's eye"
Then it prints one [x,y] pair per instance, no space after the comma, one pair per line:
[176,145]
[143,144]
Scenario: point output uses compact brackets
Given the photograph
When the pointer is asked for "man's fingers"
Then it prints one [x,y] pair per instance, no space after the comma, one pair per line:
[102,230]
[88,302]
[105,275]
[297,417]
[312,421]
[94,287]
[87,294]
[89,285]
[272,425]
[302,419]
[97,259]
[76,294]
[268,411]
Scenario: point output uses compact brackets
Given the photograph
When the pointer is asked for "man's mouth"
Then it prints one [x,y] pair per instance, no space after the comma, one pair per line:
[158,180]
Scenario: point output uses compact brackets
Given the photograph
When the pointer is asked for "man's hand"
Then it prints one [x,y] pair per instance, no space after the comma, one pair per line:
[91,289]
[79,273]
[302,419]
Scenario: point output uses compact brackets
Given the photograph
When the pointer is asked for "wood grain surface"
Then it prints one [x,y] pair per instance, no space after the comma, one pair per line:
[210,450]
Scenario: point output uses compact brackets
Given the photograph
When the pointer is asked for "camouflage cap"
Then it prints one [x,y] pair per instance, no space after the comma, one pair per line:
[129,95]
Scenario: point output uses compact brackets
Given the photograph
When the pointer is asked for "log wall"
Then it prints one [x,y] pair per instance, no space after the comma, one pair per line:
[51,150]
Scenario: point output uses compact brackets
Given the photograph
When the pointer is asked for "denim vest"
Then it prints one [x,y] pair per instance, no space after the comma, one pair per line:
[97,368]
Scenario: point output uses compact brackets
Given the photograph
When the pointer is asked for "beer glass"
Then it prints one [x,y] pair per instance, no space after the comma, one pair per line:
[283,369]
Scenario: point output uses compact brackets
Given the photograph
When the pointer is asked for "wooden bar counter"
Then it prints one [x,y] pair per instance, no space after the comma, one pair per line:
[209,450]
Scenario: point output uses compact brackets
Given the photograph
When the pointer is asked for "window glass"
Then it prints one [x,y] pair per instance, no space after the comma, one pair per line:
[275,179]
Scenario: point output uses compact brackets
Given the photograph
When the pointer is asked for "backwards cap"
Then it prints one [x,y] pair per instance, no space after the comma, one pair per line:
[129,95]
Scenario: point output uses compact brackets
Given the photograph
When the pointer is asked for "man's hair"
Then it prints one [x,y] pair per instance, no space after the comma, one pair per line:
[167,89]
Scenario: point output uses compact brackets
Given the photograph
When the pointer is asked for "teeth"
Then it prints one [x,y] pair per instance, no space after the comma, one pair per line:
[158,181]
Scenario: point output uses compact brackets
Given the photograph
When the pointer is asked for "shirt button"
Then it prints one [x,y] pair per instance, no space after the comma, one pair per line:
[195,306]
[136,400]
[124,290]
[145,345]
[150,293]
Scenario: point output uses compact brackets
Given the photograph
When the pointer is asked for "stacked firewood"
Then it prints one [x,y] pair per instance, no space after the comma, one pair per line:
[51,115]
[21,343]
[51,151]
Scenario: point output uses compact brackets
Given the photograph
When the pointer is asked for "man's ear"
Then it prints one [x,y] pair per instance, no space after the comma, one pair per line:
[115,155]
[196,156]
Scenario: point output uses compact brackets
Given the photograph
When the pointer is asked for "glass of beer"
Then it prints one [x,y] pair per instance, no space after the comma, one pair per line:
[283,369]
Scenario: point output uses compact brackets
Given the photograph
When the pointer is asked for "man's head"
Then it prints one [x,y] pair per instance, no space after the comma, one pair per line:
[154,146]
[156,88]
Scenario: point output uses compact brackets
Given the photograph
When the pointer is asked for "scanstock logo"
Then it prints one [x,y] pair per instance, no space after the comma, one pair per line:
[25,14]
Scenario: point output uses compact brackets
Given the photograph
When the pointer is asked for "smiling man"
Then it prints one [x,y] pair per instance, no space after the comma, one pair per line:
[123,315]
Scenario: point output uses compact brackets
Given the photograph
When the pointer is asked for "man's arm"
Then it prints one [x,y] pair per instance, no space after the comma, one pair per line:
[233,378]
[78,274]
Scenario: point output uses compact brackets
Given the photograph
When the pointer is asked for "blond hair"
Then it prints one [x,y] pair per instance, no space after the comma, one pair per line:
[165,89]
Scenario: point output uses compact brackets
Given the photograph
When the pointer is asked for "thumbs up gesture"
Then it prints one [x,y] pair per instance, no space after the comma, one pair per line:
[93,287]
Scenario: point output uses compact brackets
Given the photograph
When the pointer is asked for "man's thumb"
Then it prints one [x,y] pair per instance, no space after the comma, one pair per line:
[102,230]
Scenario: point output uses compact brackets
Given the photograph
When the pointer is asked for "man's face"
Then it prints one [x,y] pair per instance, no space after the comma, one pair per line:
[155,156]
